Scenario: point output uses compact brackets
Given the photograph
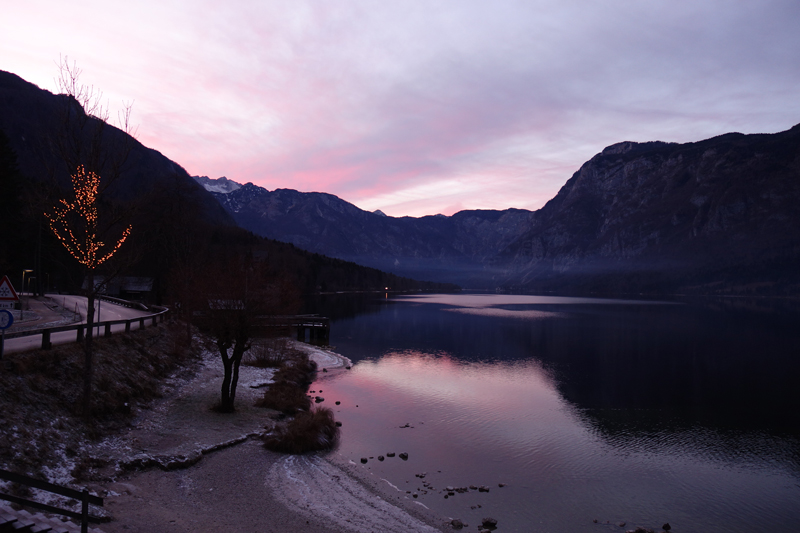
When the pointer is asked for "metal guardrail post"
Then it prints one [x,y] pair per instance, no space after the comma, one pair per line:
[85,511]
[107,332]
[127,326]
[46,344]
[80,333]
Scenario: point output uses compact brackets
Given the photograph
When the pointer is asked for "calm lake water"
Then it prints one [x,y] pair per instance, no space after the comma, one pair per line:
[614,410]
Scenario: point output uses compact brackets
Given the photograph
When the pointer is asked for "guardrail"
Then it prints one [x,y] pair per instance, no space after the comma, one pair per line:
[124,303]
[82,496]
[81,328]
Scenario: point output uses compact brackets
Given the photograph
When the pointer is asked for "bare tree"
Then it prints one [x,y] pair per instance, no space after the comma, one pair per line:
[89,147]
[237,294]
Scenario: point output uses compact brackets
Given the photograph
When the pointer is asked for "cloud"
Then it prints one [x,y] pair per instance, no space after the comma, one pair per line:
[416,108]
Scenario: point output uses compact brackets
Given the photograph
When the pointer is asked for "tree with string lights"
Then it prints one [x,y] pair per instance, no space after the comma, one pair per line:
[89,147]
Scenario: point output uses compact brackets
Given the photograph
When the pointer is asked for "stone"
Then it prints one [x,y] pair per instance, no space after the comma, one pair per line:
[456,523]
[324,369]
[483,488]
[338,424]
[666,527]
[380,458]
[489,523]
[364,460]
[338,402]
[390,454]
[404,456]
[319,399]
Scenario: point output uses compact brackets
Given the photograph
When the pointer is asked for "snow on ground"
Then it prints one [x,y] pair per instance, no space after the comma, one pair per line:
[324,358]
[183,425]
[312,486]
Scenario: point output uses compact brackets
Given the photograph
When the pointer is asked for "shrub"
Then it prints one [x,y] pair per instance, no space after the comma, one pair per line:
[267,354]
[285,397]
[287,393]
[309,431]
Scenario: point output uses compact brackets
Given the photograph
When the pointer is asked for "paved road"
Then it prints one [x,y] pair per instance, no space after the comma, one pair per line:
[104,311]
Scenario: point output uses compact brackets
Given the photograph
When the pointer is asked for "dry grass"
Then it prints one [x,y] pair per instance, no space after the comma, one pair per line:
[288,398]
[270,353]
[309,431]
[287,393]
[40,393]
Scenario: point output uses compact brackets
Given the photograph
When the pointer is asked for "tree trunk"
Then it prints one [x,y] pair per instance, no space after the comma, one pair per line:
[226,401]
[88,347]
[237,359]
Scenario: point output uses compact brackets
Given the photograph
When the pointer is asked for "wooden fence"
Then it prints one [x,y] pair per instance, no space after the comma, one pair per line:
[82,496]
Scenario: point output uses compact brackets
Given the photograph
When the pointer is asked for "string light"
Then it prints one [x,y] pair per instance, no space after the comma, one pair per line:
[75,224]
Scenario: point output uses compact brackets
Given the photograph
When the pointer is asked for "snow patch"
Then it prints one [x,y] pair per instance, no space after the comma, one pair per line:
[314,487]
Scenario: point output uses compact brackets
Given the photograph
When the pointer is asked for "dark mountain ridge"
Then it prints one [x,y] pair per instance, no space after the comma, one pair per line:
[709,215]
[177,224]
[458,249]
[31,117]
[717,215]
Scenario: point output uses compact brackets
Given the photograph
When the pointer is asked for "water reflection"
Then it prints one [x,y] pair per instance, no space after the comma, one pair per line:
[643,413]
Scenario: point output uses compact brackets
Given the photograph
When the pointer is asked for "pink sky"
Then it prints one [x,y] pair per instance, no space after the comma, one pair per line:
[418,107]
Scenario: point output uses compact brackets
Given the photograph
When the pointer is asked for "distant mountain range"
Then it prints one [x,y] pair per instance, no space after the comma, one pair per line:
[715,216]
[175,221]
[719,215]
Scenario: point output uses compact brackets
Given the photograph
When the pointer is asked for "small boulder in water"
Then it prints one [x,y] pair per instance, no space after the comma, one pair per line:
[489,523]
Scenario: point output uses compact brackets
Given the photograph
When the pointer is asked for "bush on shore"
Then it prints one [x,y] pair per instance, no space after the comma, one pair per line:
[287,393]
[309,431]
[269,353]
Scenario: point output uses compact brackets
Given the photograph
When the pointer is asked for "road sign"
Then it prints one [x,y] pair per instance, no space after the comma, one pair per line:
[7,305]
[7,292]
[6,319]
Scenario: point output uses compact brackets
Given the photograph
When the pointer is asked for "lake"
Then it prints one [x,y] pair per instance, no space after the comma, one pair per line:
[640,412]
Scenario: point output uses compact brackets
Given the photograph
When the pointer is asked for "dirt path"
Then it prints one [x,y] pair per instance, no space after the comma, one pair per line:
[241,487]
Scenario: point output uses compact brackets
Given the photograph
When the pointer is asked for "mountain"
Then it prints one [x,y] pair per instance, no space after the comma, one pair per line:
[715,216]
[177,224]
[30,117]
[222,185]
[458,249]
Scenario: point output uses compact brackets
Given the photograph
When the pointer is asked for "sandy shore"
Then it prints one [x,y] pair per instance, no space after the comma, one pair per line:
[241,487]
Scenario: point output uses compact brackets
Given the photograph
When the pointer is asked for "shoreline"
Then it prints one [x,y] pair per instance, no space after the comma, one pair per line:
[239,486]
[381,488]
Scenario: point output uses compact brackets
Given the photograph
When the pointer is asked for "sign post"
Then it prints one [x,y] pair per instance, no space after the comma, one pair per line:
[7,298]
[6,319]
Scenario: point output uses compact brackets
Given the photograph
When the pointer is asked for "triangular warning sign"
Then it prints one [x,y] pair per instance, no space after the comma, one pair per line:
[7,292]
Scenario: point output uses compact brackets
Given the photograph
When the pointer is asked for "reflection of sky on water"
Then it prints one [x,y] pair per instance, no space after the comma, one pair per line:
[494,300]
[529,314]
[585,414]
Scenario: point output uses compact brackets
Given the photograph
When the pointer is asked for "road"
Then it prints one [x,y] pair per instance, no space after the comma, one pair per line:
[104,311]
